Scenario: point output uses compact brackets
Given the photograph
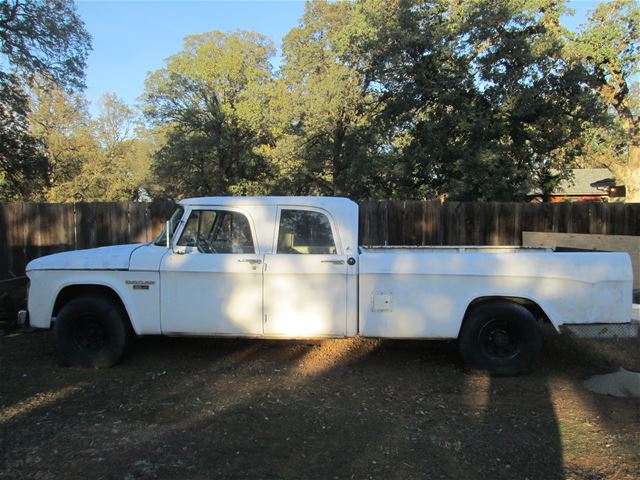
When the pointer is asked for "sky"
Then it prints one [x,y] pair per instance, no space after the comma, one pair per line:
[132,38]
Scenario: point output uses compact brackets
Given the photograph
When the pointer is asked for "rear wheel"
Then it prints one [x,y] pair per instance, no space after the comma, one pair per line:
[91,331]
[503,338]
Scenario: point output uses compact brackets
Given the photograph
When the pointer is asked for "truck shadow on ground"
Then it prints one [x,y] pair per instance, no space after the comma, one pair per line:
[208,408]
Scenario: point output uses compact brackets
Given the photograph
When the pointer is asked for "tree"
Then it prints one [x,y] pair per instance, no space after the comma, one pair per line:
[60,122]
[112,164]
[480,100]
[407,50]
[38,39]
[522,55]
[115,125]
[44,37]
[608,48]
[22,163]
[212,96]
[322,110]
[89,160]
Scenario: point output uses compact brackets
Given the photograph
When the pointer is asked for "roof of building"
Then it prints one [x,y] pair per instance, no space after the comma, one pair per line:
[587,181]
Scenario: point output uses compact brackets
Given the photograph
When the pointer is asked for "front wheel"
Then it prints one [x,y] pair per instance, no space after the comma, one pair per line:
[503,338]
[91,331]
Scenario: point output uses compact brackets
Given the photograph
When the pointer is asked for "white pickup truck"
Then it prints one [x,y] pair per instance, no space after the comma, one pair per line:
[290,267]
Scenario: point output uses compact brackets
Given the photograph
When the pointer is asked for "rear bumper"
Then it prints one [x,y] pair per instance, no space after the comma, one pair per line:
[602,330]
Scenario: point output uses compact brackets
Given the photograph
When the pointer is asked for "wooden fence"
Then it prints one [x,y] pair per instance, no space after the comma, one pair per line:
[30,230]
[488,223]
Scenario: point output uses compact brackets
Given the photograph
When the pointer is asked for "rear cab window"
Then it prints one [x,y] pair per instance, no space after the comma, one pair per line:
[305,232]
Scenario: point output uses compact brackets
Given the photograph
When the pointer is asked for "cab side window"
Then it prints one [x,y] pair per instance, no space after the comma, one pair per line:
[305,232]
[217,231]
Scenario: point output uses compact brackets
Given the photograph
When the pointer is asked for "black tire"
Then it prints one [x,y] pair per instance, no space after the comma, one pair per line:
[91,331]
[503,338]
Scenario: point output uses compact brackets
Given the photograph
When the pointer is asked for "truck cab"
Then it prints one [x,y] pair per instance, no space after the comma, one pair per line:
[285,267]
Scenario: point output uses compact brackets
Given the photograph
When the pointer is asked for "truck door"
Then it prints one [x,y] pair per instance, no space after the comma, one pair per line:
[211,281]
[305,279]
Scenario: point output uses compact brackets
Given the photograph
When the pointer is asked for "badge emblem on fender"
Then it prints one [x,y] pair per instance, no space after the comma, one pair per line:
[140,284]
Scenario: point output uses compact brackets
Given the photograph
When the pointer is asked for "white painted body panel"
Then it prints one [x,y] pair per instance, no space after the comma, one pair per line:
[305,295]
[115,257]
[143,306]
[388,292]
[148,258]
[431,291]
[205,294]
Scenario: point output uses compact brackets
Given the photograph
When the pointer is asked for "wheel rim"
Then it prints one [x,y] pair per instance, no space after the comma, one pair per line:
[89,334]
[499,339]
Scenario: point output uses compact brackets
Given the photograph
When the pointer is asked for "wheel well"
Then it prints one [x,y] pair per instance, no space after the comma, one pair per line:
[530,305]
[73,291]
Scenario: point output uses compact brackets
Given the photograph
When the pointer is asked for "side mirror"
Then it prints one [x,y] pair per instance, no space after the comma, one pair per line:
[168,233]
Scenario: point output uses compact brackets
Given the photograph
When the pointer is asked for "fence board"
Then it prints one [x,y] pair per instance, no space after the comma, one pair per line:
[12,238]
[395,212]
[85,222]
[138,219]
[493,226]
[597,224]
[31,230]
[506,214]
[631,220]
[580,216]
[5,246]
[433,232]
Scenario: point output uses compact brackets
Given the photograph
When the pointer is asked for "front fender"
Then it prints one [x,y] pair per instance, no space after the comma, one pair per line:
[138,291]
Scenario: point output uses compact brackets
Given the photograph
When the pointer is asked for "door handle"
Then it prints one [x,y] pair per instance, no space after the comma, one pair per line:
[335,262]
[253,261]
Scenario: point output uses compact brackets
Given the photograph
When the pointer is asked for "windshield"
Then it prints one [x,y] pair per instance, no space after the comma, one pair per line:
[161,241]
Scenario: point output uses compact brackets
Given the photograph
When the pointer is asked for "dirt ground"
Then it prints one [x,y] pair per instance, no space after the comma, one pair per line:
[206,408]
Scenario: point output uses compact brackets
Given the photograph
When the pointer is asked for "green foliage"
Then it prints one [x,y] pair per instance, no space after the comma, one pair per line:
[482,99]
[38,40]
[60,122]
[212,96]
[89,160]
[325,140]
[409,99]
[22,164]
[46,38]
[609,45]
[479,92]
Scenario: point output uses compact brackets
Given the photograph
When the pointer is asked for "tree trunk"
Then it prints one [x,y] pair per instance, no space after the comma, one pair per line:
[632,173]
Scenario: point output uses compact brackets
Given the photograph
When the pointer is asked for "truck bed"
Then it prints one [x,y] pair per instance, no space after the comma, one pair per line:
[424,292]
[452,249]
